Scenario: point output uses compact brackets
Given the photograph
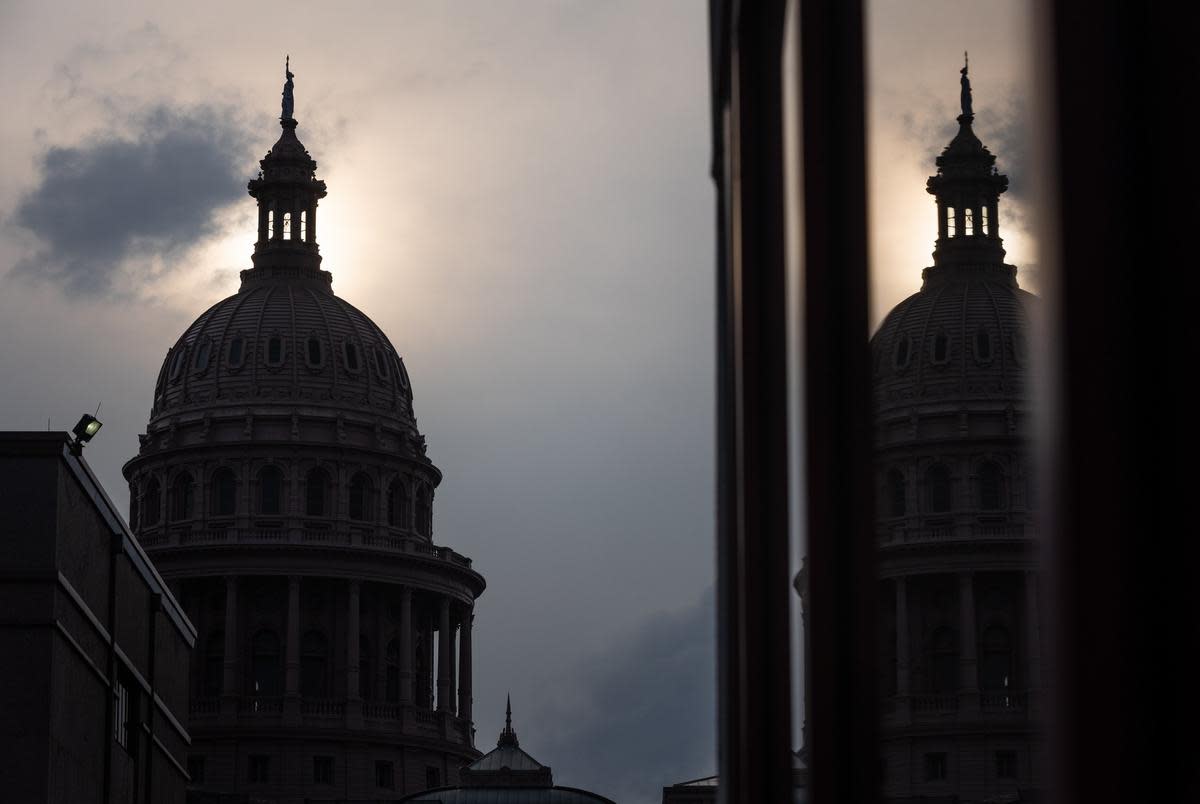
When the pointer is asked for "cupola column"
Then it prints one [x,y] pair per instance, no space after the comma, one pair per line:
[406,646]
[443,670]
[968,656]
[464,668]
[229,679]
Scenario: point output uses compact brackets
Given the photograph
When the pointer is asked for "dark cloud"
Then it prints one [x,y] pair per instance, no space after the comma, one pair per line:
[154,193]
[642,715]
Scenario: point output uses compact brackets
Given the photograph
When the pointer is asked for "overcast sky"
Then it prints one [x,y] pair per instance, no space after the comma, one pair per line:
[519,197]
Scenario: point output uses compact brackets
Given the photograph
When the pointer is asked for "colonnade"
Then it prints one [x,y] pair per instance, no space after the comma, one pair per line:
[454,665]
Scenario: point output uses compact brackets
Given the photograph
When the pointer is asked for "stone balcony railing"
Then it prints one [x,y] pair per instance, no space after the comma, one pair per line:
[360,538]
[956,532]
[942,707]
[382,716]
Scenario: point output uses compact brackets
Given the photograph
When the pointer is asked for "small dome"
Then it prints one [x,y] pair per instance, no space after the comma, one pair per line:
[960,338]
[286,341]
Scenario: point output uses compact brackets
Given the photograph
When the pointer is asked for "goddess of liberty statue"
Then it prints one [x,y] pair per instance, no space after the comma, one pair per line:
[289,102]
[965,97]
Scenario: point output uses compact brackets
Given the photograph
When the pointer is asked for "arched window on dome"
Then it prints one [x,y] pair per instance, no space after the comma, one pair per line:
[365,676]
[381,363]
[392,665]
[937,489]
[350,352]
[399,507]
[203,351]
[237,351]
[177,361]
[274,354]
[214,665]
[897,493]
[270,491]
[996,665]
[360,497]
[940,350]
[316,492]
[424,512]
[223,492]
[182,497]
[983,345]
[941,661]
[152,503]
[903,353]
[314,353]
[314,665]
[265,676]
[991,484]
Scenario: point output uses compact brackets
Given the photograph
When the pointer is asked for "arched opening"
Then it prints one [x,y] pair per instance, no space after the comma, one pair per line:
[941,661]
[316,355]
[314,665]
[304,225]
[152,503]
[316,492]
[424,512]
[995,669]
[381,363]
[237,351]
[214,665]
[181,497]
[270,491]
[264,664]
[398,507]
[351,351]
[392,668]
[202,354]
[950,222]
[360,497]
[903,352]
[897,493]
[224,493]
[983,220]
[990,484]
[274,350]
[937,488]
[968,221]
[287,226]
[941,348]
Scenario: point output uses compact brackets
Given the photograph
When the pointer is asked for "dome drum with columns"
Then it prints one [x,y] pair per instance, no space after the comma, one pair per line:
[283,490]
[960,639]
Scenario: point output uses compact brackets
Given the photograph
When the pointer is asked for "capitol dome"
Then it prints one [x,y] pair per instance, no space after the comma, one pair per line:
[283,491]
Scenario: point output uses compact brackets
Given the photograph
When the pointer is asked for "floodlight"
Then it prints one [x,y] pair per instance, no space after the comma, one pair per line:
[87,427]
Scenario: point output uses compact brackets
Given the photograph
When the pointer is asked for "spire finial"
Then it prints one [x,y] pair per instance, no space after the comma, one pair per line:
[965,95]
[289,102]
[508,736]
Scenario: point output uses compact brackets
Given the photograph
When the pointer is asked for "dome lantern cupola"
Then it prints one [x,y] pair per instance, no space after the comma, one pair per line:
[967,188]
[287,190]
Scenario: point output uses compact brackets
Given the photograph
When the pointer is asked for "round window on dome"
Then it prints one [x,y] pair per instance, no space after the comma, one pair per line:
[903,354]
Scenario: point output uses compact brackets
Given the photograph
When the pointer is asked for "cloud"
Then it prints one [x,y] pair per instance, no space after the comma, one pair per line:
[641,715]
[116,200]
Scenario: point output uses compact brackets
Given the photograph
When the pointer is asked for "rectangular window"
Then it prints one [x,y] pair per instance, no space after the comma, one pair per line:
[259,768]
[384,774]
[323,770]
[935,767]
[1006,764]
[195,767]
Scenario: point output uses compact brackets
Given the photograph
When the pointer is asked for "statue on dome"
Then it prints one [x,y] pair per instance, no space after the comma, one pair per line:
[289,102]
[965,97]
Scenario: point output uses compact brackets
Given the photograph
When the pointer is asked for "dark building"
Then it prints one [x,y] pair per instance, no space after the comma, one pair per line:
[960,654]
[283,489]
[94,649]
[507,775]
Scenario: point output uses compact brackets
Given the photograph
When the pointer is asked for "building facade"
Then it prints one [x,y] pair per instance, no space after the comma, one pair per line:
[283,489]
[960,651]
[94,649]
